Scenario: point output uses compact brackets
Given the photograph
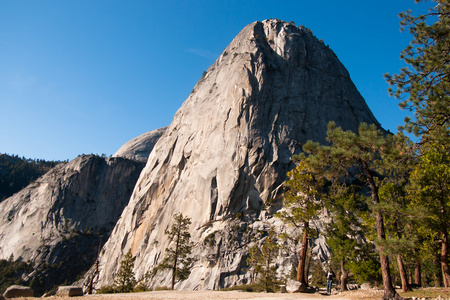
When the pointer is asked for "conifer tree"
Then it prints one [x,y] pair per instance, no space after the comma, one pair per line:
[178,257]
[302,204]
[344,232]
[423,87]
[125,279]
[354,154]
[431,188]
[253,258]
[265,265]
[395,166]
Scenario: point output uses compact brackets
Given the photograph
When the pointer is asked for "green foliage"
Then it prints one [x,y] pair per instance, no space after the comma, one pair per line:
[301,199]
[108,289]
[11,273]
[301,205]
[367,269]
[318,275]
[262,262]
[357,156]
[16,173]
[252,288]
[125,280]
[422,86]
[178,257]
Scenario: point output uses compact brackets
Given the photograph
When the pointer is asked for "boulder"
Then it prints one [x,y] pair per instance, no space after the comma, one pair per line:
[366,286]
[69,291]
[292,286]
[17,291]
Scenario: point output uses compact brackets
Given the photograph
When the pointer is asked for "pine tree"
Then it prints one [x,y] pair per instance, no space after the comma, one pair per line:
[254,254]
[431,188]
[265,262]
[423,88]
[395,166]
[302,204]
[125,279]
[352,154]
[178,258]
[344,232]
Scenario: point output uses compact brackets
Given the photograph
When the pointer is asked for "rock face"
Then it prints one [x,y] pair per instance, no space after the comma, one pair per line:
[140,147]
[222,160]
[59,221]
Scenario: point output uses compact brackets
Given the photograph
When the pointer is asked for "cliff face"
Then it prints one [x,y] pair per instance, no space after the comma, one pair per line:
[60,220]
[140,147]
[222,160]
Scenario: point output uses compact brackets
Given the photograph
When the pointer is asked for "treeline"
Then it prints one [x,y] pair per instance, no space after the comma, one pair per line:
[11,273]
[16,173]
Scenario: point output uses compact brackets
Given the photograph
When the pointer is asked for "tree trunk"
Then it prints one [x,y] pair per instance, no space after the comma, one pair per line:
[389,291]
[444,259]
[417,274]
[302,260]
[438,274]
[175,261]
[402,271]
[308,262]
[344,276]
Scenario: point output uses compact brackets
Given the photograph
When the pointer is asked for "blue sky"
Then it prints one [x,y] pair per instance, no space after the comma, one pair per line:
[86,76]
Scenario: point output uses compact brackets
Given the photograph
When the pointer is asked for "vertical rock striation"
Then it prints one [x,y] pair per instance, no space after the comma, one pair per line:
[224,157]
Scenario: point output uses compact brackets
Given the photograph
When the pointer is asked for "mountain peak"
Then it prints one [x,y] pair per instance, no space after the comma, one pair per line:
[228,149]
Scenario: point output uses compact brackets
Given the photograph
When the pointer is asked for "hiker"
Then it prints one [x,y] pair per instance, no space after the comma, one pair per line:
[330,276]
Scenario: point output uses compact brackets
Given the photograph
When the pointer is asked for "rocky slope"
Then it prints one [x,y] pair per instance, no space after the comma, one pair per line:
[140,147]
[223,158]
[59,221]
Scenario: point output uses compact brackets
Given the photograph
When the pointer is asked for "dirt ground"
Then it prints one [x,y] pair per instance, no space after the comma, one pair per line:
[218,295]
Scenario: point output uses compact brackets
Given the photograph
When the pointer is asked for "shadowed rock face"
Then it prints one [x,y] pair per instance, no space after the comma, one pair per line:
[140,147]
[227,151]
[59,221]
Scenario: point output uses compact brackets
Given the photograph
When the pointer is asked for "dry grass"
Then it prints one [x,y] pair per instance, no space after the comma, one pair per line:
[422,293]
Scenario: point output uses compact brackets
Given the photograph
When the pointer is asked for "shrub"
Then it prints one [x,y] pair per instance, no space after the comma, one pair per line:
[108,289]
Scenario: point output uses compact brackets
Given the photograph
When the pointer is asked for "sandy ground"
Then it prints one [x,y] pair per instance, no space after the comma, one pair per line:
[217,295]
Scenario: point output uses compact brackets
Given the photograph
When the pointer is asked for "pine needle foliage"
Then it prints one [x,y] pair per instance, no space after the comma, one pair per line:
[125,279]
[301,206]
[178,255]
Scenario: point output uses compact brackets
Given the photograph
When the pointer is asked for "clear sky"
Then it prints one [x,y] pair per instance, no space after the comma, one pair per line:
[86,76]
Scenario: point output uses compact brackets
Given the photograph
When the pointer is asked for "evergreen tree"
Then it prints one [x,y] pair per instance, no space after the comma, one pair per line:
[395,166]
[178,258]
[352,154]
[431,188]
[253,258]
[344,232]
[423,87]
[265,262]
[302,204]
[125,279]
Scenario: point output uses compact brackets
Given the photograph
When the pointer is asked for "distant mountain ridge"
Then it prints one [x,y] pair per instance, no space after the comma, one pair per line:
[16,173]
[139,148]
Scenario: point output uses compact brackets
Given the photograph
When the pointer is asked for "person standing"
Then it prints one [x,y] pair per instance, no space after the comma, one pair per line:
[330,276]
